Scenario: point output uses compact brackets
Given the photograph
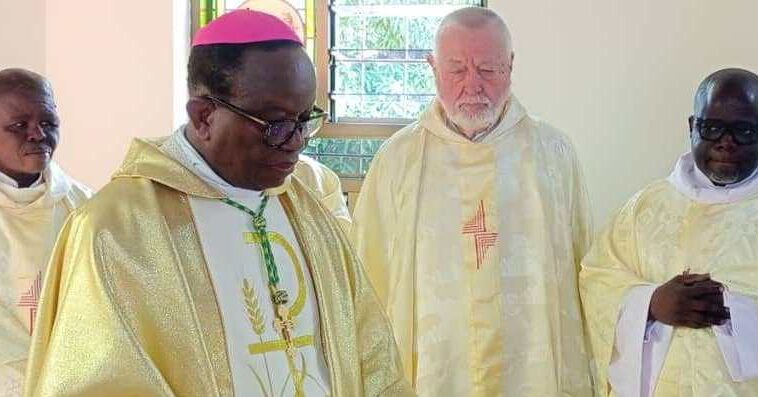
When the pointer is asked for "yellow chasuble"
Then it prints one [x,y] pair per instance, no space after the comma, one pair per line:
[658,234]
[129,307]
[473,248]
[30,219]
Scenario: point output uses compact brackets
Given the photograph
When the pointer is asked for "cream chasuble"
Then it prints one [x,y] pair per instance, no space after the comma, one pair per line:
[473,248]
[257,356]
[30,219]
[131,307]
[670,226]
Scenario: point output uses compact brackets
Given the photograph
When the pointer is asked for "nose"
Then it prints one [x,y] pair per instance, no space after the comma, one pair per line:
[296,142]
[473,82]
[727,142]
[35,133]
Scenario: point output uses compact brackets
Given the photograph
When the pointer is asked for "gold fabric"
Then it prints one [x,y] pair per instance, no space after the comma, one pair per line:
[474,249]
[128,308]
[658,234]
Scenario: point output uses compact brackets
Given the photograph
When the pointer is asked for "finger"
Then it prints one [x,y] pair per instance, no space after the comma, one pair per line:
[699,320]
[712,315]
[700,290]
[692,278]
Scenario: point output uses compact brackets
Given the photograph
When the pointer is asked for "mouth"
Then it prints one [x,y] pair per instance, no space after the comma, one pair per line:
[728,162]
[46,152]
[284,167]
[473,107]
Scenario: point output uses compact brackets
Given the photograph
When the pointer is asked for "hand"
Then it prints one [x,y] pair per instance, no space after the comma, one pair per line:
[689,300]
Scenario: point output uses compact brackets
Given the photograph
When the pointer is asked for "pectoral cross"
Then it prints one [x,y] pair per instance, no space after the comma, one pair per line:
[283,322]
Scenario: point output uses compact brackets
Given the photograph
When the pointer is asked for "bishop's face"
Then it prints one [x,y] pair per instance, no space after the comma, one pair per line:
[729,154]
[273,86]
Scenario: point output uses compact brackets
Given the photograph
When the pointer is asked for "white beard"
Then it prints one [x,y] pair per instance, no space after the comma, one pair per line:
[476,122]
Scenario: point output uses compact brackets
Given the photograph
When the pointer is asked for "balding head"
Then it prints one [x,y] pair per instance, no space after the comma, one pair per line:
[28,125]
[724,126]
[15,79]
[475,18]
[472,64]
[734,85]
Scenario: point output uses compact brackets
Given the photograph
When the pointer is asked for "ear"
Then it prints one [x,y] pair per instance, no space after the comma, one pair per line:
[513,58]
[430,61]
[691,122]
[200,112]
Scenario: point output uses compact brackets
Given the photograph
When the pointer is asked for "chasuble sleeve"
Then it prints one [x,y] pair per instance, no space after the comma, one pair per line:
[608,272]
[381,366]
[81,346]
[581,216]
[326,186]
[373,228]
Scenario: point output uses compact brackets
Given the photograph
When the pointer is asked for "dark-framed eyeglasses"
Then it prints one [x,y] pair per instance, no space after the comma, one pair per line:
[276,133]
[742,132]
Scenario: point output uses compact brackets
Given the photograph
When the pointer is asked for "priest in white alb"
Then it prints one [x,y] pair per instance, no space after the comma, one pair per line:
[471,223]
[670,289]
[205,268]
[36,196]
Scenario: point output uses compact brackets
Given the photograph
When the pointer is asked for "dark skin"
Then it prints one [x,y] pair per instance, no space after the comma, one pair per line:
[29,131]
[730,95]
[273,85]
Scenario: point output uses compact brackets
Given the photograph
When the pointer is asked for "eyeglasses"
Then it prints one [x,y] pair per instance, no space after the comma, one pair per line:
[277,133]
[743,133]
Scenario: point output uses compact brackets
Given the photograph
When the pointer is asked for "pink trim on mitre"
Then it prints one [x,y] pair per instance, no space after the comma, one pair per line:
[243,27]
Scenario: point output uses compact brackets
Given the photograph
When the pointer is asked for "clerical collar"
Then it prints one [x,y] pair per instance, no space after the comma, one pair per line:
[479,136]
[693,183]
[5,179]
[191,159]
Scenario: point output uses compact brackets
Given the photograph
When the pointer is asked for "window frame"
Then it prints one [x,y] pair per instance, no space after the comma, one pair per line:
[322,59]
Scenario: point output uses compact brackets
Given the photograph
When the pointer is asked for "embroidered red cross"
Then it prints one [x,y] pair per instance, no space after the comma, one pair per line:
[30,299]
[483,239]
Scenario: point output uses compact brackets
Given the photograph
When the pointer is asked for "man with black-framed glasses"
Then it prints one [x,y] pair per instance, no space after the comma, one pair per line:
[669,289]
[211,265]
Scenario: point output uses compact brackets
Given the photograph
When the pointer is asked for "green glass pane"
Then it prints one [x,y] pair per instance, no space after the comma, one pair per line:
[383,78]
[365,164]
[351,166]
[353,147]
[385,33]
[348,78]
[333,162]
[421,32]
[420,79]
[349,31]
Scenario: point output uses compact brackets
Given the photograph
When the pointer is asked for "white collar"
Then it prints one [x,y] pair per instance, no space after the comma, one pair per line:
[693,183]
[192,159]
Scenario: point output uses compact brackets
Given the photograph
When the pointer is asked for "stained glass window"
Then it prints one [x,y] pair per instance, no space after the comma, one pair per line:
[303,19]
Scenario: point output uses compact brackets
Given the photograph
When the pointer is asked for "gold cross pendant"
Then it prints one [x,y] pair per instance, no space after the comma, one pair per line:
[285,325]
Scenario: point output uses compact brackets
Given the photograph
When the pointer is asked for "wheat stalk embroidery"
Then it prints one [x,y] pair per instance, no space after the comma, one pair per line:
[253,308]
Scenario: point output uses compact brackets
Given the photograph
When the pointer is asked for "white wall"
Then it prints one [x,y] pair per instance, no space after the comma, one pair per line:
[22,34]
[618,76]
[111,65]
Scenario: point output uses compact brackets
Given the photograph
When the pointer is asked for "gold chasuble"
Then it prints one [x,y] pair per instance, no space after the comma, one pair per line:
[473,247]
[657,235]
[129,307]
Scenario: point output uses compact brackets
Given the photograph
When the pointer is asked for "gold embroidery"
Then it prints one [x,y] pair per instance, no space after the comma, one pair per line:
[299,304]
[279,345]
[255,316]
[253,308]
